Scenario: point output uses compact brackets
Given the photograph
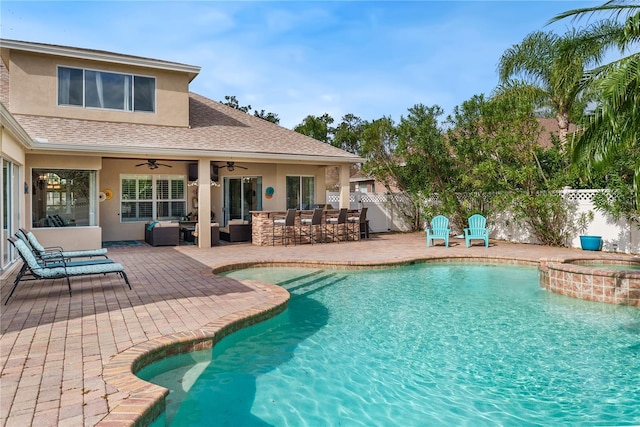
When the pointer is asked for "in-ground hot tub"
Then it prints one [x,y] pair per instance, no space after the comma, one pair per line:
[609,280]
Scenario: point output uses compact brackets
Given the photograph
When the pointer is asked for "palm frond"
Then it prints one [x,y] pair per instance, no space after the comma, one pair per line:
[616,9]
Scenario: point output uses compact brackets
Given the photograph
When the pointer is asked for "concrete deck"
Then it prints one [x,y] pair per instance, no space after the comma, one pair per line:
[56,350]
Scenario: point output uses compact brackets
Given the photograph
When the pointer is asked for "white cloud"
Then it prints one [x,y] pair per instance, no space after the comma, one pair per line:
[371,59]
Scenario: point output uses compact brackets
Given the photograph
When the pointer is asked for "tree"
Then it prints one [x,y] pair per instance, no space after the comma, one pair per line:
[316,127]
[380,149]
[233,102]
[348,134]
[501,167]
[614,125]
[546,69]
[429,170]
[270,117]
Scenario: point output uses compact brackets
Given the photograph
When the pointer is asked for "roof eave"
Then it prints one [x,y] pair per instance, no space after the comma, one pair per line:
[8,121]
[93,55]
[157,152]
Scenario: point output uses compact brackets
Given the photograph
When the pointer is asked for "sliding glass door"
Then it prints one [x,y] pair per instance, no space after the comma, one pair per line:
[10,209]
[241,196]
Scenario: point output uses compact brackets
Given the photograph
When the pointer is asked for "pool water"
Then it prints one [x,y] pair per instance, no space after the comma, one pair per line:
[621,267]
[433,345]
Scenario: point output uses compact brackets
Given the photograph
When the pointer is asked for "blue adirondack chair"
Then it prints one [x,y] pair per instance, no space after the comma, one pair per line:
[477,230]
[438,229]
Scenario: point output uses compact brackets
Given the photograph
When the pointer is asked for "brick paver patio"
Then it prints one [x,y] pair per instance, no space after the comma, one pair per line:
[55,349]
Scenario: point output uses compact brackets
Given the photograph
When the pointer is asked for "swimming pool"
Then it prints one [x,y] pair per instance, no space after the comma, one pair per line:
[426,344]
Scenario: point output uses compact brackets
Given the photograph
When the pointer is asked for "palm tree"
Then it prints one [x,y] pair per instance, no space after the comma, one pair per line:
[614,125]
[547,69]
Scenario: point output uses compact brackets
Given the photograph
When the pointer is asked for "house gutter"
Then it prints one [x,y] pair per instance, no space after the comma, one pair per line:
[98,55]
[41,145]
[10,123]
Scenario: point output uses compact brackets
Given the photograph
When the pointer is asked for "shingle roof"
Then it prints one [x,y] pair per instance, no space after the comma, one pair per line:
[214,127]
[549,129]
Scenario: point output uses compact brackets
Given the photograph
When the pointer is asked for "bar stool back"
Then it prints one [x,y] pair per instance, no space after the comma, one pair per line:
[338,226]
[356,225]
[285,224]
[308,225]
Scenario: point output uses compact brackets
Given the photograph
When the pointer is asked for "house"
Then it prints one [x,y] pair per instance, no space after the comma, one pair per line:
[96,144]
[359,182]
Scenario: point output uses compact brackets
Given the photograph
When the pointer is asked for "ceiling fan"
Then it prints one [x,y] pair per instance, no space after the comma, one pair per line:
[231,166]
[153,164]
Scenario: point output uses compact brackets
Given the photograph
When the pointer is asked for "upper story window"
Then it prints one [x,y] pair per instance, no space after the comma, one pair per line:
[102,89]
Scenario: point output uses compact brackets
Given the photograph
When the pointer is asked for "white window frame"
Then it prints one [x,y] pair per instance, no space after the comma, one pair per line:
[69,208]
[155,198]
[300,193]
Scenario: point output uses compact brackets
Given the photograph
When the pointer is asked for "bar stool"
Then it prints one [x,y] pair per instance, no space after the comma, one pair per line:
[356,224]
[284,223]
[310,224]
[338,225]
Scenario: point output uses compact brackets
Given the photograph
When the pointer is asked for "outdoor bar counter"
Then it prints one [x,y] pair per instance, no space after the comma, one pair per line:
[262,229]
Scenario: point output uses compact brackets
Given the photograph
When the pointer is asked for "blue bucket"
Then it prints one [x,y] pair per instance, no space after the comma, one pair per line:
[591,243]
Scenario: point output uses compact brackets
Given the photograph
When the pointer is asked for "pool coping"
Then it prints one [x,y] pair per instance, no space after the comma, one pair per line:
[146,401]
[572,277]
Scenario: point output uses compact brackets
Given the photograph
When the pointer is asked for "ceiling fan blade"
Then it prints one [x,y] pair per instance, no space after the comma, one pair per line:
[232,165]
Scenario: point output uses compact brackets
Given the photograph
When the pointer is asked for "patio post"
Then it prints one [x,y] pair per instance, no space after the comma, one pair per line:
[204,203]
[344,185]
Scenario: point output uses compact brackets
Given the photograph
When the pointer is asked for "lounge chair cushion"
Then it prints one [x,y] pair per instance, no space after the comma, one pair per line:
[76,269]
[42,251]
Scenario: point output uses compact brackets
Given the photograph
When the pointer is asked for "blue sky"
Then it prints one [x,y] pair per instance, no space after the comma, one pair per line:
[296,58]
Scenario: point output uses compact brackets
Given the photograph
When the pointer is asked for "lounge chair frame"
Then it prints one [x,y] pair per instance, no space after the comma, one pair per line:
[44,253]
[58,268]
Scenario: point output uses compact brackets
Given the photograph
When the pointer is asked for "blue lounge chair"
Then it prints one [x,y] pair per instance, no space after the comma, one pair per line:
[45,253]
[60,267]
[438,229]
[477,230]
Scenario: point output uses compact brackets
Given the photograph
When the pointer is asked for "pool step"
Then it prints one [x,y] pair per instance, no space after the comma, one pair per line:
[310,283]
[296,279]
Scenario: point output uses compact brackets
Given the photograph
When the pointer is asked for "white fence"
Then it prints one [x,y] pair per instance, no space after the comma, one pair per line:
[617,236]
[380,213]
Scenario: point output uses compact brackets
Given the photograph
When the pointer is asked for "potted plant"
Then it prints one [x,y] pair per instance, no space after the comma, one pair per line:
[587,242]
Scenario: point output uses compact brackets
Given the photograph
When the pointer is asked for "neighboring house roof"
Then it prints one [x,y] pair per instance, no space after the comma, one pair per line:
[214,129]
[550,128]
[360,177]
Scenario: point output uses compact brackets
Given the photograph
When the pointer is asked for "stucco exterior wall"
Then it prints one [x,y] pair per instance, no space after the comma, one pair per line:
[13,151]
[272,176]
[113,228]
[34,90]
[11,148]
